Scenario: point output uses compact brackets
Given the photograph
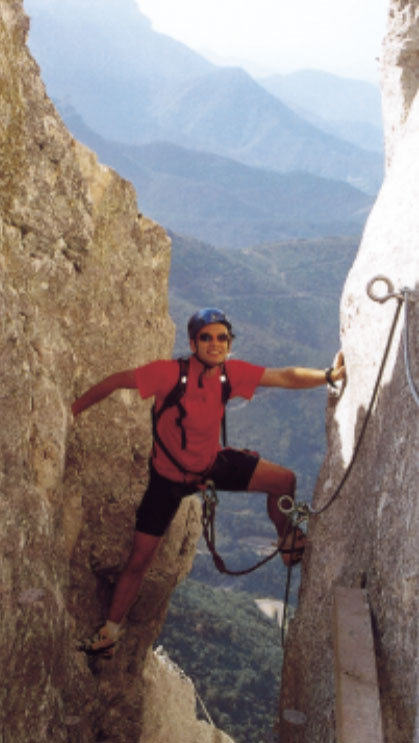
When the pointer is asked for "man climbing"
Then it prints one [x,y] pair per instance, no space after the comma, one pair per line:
[189,410]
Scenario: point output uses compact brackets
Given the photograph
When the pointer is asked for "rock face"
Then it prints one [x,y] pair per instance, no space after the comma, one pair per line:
[369,536]
[175,719]
[83,293]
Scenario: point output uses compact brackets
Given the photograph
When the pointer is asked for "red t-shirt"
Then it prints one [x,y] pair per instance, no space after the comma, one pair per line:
[204,410]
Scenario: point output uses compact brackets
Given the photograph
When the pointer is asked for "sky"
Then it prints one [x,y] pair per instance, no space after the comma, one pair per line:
[278,36]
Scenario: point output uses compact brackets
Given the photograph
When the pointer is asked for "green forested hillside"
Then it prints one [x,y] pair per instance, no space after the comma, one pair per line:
[233,654]
[283,297]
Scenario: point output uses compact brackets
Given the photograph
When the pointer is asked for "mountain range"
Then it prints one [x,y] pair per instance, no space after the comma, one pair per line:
[134,86]
[222,201]
[348,109]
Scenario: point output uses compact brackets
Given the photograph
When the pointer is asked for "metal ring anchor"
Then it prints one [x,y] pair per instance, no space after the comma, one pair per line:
[391,293]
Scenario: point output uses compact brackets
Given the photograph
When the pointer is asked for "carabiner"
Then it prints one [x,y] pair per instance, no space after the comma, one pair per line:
[209,493]
[286,504]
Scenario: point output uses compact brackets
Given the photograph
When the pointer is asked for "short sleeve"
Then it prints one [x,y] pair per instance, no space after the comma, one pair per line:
[157,378]
[243,377]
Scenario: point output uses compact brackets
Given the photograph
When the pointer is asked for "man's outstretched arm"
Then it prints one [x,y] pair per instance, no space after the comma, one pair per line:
[120,380]
[296,377]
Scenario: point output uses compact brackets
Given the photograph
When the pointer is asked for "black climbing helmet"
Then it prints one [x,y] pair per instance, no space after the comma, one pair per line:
[207,316]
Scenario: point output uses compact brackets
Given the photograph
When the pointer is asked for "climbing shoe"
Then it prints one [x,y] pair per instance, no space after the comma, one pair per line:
[291,546]
[102,644]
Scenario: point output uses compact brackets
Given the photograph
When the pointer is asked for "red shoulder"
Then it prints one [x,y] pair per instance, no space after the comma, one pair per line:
[157,377]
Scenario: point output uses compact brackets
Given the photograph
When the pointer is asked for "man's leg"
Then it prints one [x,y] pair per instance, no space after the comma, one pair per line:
[126,591]
[275,481]
[131,578]
[154,514]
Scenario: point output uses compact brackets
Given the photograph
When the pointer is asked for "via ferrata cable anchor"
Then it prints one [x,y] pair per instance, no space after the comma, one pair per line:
[391,293]
[405,295]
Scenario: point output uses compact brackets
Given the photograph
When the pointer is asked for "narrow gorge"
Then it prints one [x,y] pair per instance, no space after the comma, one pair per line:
[84,292]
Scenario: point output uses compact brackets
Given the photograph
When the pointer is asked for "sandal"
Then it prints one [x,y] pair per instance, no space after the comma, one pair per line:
[295,541]
[101,644]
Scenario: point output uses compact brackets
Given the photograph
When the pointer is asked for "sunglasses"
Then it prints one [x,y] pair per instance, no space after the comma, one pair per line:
[207,337]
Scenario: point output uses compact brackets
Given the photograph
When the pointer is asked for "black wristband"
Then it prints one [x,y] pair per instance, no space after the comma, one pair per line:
[329,380]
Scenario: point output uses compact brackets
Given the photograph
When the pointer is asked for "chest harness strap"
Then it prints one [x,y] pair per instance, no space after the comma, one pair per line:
[175,398]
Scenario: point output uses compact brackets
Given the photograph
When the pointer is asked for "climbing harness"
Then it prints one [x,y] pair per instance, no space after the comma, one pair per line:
[209,503]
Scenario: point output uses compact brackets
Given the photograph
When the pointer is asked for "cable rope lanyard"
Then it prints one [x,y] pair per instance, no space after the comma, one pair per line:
[401,297]
[295,516]
[209,503]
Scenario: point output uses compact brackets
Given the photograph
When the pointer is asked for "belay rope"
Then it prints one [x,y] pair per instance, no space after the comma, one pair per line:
[299,512]
[209,503]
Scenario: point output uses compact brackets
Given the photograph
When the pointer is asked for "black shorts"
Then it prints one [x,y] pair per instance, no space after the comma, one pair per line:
[232,470]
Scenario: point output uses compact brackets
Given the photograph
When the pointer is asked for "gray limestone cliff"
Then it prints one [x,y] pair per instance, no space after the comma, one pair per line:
[83,293]
[369,535]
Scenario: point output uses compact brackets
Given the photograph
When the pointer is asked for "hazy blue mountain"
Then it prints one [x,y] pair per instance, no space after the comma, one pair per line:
[224,202]
[133,85]
[228,113]
[350,109]
[105,57]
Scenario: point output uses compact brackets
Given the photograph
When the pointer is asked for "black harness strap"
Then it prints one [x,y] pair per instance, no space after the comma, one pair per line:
[174,398]
[225,396]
